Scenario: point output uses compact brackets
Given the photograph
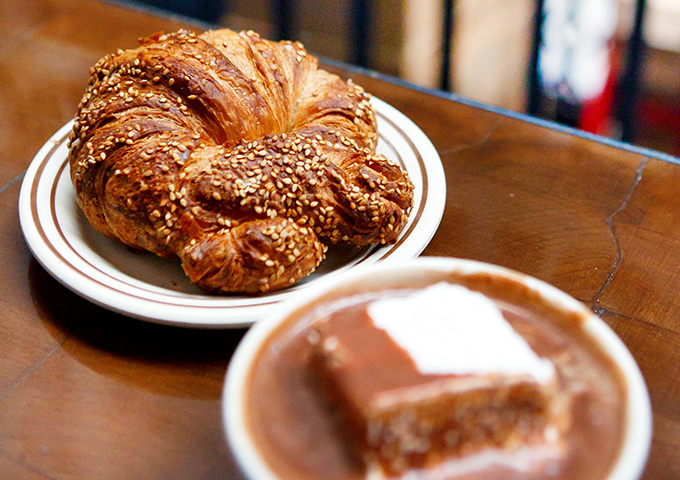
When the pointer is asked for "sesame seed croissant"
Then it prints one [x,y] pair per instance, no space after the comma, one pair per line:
[234,153]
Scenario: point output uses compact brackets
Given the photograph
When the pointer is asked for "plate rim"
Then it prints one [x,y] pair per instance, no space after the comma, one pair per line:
[223,313]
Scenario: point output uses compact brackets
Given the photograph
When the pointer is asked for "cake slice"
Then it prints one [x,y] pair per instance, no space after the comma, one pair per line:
[430,375]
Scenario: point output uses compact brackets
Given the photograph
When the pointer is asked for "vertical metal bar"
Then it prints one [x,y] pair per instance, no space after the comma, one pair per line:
[629,86]
[447,46]
[534,91]
[360,22]
[283,19]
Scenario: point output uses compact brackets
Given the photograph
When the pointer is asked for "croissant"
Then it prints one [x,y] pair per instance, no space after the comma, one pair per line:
[234,153]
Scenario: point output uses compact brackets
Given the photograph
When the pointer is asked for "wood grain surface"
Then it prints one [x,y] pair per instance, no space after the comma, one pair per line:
[86,393]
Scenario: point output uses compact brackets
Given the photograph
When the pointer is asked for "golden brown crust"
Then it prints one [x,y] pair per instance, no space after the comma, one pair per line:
[235,154]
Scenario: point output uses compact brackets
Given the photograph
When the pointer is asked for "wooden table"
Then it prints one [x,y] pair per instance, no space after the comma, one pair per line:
[86,393]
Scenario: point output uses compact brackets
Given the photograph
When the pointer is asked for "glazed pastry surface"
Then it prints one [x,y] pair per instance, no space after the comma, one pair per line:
[234,153]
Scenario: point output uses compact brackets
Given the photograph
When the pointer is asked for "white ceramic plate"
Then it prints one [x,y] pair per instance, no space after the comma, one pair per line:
[147,287]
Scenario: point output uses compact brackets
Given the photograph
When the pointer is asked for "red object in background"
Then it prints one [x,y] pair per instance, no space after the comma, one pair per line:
[660,113]
[596,114]
[660,118]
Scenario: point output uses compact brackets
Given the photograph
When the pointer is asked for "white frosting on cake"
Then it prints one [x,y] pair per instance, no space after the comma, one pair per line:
[449,329]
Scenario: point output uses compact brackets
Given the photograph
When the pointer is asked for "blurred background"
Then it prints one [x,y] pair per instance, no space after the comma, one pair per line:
[610,67]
